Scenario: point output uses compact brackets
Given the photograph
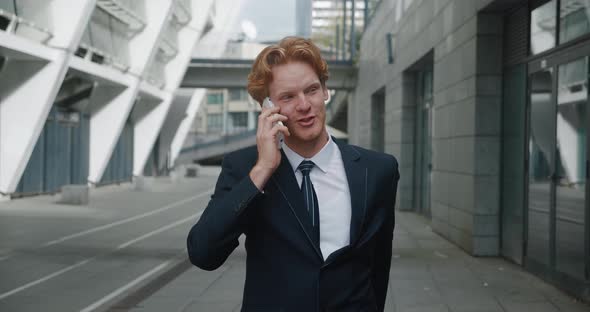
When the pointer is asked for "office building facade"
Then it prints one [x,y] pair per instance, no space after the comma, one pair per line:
[484,103]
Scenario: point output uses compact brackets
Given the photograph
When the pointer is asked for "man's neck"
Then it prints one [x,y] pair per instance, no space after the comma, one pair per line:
[308,149]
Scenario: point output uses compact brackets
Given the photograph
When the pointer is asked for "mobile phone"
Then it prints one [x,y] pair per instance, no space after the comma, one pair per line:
[267,103]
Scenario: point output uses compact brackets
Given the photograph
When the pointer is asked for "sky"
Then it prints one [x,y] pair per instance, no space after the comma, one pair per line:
[273,19]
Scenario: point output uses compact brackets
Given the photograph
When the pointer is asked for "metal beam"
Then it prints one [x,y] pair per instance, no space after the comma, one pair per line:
[227,73]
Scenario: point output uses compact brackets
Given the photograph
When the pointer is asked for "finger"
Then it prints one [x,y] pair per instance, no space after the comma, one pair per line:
[276,117]
[269,111]
[280,128]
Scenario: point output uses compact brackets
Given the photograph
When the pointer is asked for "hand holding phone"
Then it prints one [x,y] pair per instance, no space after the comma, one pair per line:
[267,103]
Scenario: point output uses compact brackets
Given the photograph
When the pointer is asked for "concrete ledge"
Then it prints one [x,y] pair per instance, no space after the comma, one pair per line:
[4,198]
[191,171]
[181,172]
[74,194]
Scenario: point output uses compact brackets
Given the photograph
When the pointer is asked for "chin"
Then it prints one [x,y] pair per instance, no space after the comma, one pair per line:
[309,135]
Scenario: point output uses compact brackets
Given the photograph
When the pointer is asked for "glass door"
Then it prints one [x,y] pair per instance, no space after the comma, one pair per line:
[541,146]
[570,167]
[557,217]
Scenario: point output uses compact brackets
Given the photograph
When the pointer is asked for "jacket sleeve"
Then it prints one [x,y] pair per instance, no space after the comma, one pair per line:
[383,250]
[213,238]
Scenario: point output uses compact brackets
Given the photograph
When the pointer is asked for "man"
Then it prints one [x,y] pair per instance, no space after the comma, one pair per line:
[318,215]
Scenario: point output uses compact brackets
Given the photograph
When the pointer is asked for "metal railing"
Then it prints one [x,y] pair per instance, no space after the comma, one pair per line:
[123,13]
[10,23]
[182,12]
[223,140]
[169,43]
[98,56]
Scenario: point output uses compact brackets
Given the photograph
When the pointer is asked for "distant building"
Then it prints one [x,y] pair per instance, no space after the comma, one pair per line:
[303,17]
[227,111]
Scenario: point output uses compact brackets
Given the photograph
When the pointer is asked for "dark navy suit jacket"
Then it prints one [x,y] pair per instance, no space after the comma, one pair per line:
[285,270]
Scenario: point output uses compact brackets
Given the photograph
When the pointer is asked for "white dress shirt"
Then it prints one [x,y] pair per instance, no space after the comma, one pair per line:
[331,186]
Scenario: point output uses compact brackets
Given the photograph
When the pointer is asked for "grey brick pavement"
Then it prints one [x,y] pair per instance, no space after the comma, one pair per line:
[428,274]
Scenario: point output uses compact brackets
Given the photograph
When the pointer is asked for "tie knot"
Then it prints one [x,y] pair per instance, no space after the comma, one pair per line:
[305,167]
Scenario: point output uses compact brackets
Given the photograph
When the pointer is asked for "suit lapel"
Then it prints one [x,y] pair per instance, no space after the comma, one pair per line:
[286,183]
[356,174]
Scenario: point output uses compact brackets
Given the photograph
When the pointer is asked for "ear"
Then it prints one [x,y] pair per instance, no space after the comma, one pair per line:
[326,94]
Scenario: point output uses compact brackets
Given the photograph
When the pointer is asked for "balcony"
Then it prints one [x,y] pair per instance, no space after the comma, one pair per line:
[124,14]
[13,24]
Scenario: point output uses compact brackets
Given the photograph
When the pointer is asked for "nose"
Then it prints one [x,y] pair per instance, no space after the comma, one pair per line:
[304,103]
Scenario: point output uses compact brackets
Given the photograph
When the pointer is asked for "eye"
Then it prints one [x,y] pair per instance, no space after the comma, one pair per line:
[312,90]
[286,98]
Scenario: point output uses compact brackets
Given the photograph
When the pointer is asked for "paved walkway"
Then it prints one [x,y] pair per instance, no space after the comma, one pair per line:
[125,251]
[428,274]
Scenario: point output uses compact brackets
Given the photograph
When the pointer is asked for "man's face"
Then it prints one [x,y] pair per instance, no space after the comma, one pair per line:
[297,90]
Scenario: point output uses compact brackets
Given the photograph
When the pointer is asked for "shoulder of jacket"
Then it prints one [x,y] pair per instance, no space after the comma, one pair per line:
[374,155]
[242,157]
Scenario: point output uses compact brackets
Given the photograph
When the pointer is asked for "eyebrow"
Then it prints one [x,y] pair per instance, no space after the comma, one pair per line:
[311,85]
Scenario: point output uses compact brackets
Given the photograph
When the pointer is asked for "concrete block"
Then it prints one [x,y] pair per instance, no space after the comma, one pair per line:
[448,16]
[406,204]
[439,211]
[490,24]
[488,225]
[489,54]
[487,195]
[441,155]
[461,219]
[191,172]
[489,85]
[439,5]
[460,91]
[462,154]
[441,122]
[4,198]
[461,191]
[439,187]
[74,194]
[468,55]
[461,238]
[462,117]
[487,158]
[486,246]
[143,183]
[488,115]
[440,226]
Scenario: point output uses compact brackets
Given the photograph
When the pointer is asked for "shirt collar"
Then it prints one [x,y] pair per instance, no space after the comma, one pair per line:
[321,159]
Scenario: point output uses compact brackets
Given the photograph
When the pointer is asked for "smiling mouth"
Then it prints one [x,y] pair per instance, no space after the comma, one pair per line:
[308,121]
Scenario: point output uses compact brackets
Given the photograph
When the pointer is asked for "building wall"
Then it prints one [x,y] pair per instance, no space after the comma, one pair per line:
[464,45]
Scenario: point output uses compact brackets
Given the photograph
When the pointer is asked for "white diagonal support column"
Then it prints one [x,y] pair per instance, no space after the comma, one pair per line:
[114,113]
[111,106]
[150,125]
[146,132]
[185,125]
[143,47]
[211,45]
[30,80]
[176,116]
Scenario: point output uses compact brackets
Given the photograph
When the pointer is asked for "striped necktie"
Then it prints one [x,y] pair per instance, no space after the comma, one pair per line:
[310,197]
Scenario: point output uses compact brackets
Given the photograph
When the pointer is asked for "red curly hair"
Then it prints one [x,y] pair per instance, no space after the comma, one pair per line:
[289,49]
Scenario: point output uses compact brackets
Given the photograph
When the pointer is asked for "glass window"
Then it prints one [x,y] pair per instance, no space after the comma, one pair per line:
[236,94]
[378,121]
[238,122]
[573,19]
[513,155]
[543,27]
[214,122]
[540,148]
[215,98]
[571,167]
